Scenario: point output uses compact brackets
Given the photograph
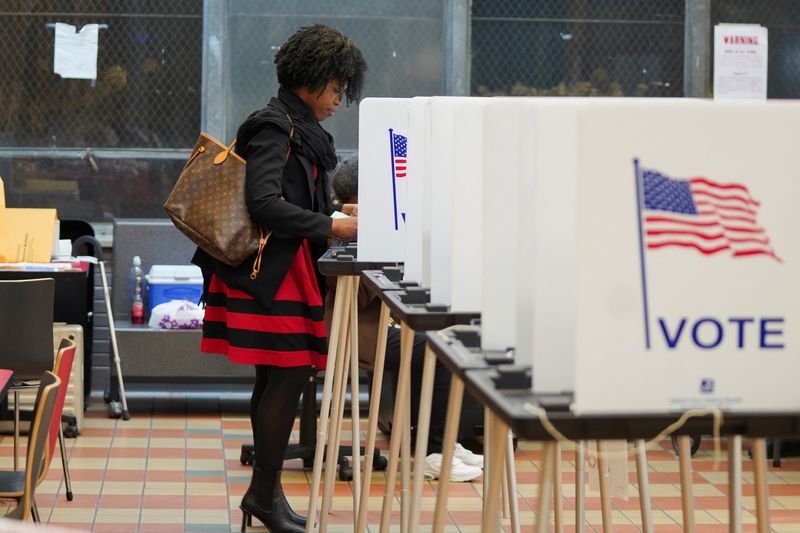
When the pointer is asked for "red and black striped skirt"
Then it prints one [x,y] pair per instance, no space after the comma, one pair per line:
[290,333]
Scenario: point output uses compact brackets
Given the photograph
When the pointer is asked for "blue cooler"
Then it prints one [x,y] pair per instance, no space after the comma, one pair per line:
[173,282]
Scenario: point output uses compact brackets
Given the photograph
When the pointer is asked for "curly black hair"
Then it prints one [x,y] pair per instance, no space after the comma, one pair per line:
[317,54]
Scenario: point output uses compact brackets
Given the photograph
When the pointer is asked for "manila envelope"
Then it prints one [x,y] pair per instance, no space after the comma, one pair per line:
[2,220]
[29,235]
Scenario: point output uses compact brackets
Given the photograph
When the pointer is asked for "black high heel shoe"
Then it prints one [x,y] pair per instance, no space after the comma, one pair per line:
[264,499]
[280,500]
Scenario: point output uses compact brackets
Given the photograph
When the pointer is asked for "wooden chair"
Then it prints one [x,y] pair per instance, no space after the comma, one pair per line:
[20,485]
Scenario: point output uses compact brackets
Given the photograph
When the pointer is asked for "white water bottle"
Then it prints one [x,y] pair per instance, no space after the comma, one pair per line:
[136,291]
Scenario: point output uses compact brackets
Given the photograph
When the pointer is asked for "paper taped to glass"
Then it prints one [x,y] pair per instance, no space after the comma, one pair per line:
[75,52]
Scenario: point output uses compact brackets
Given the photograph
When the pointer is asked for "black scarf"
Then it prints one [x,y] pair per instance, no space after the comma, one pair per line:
[310,140]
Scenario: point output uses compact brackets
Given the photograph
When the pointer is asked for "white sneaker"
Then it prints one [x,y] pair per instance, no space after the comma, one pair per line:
[458,473]
[468,457]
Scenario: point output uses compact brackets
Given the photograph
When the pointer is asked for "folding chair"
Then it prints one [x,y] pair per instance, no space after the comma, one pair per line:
[21,485]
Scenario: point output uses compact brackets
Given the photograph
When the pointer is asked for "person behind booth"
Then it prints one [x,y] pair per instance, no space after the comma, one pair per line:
[466,465]
[275,321]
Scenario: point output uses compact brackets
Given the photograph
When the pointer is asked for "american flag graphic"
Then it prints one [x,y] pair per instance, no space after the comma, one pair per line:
[702,214]
[399,151]
[398,145]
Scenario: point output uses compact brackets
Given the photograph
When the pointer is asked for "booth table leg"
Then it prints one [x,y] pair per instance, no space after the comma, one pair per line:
[491,496]
[448,446]
[504,503]
[342,295]
[423,427]
[398,423]
[545,486]
[605,500]
[374,408]
[355,404]
[488,449]
[405,447]
[580,486]
[644,487]
[687,499]
[762,495]
[337,409]
[511,479]
[558,510]
[735,484]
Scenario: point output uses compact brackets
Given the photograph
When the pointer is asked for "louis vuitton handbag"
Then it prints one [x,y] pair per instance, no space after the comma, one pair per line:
[208,205]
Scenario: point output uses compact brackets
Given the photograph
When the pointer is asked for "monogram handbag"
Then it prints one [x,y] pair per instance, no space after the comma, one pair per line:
[208,205]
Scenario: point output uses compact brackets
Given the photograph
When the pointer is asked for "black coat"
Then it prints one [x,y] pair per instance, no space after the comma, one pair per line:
[303,213]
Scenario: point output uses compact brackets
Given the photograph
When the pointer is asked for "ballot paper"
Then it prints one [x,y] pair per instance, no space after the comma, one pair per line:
[75,52]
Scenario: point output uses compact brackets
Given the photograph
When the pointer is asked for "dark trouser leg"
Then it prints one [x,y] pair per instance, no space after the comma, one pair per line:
[441,386]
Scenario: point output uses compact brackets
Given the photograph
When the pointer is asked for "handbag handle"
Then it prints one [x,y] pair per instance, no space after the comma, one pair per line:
[222,156]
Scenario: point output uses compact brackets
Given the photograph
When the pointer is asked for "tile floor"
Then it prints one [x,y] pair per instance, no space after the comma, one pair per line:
[180,472]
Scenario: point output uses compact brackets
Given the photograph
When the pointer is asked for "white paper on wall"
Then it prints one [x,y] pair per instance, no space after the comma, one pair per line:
[740,61]
[382,175]
[75,52]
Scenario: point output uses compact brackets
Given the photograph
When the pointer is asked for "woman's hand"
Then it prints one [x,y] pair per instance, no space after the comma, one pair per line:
[350,209]
[345,228]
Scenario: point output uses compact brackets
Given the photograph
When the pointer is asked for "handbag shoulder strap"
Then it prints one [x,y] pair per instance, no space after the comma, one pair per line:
[222,156]
[262,242]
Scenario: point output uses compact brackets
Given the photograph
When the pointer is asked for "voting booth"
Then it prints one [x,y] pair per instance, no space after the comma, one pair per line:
[606,240]
[382,178]
[662,254]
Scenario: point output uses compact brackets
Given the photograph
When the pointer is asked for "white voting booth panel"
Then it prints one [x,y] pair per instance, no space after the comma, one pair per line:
[545,287]
[507,165]
[685,270]
[456,189]
[418,193]
[382,176]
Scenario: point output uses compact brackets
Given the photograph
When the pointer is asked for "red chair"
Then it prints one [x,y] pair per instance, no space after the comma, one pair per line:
[62,369]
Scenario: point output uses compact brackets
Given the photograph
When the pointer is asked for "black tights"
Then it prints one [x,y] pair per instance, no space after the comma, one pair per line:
[273,407]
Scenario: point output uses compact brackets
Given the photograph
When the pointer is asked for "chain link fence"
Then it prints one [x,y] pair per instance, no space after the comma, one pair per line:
[148,92]
[577,47]
[782,20]
[148,88]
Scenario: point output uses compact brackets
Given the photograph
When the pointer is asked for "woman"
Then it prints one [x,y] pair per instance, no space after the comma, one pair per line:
[275,321]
